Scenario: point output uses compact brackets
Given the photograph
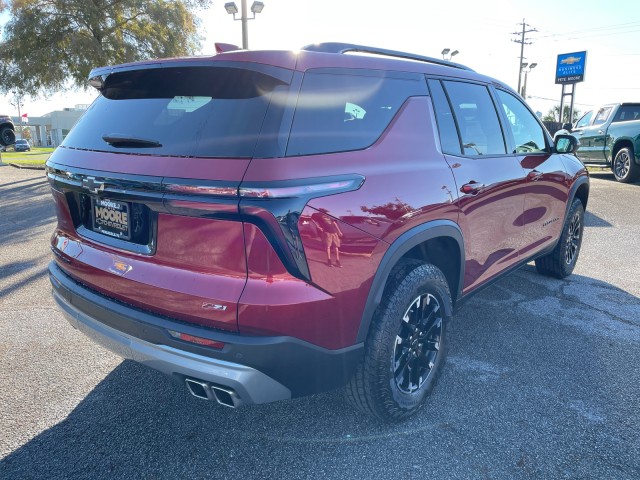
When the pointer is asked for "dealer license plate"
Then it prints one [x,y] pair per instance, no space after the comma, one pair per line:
[111,217]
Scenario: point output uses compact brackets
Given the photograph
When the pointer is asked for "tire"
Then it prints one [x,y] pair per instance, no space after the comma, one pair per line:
[7,136]
[406,346]
[624,167]
[562,259]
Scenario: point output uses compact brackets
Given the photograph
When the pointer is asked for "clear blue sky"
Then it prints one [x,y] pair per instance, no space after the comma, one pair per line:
[481,31]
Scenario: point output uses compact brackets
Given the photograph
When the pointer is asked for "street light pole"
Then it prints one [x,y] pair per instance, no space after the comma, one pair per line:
[523,93]
[245,31]
[232,9]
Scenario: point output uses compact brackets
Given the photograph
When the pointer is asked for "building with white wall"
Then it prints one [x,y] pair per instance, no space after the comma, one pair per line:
[49,130]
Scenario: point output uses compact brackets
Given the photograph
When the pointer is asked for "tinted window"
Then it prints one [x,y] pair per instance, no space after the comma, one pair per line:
[188,111]
[477,119]
[446,124]
[585,120]
[527,133]
[341,112]
[627,113]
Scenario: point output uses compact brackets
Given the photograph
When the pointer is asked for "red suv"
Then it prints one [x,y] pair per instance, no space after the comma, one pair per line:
[266,224]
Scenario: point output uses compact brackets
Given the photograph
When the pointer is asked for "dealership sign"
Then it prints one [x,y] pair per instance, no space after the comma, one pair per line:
[570,67]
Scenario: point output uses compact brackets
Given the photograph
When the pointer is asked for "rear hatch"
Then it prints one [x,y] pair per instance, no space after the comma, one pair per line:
[146,184]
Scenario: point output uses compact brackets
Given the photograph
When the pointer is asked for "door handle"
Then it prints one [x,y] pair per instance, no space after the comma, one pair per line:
[601,132]
[472,187]
[534,175]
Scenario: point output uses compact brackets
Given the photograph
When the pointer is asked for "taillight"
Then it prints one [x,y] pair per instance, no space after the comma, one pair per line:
[275,207]
[309,188]
[217,191]
[301,188]
[197,340]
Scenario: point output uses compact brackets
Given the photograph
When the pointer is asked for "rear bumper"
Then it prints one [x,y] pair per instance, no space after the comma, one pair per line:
[258,369]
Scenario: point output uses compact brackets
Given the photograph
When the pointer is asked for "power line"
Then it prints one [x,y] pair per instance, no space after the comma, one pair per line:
[556,100]
[522,41]
[634,24]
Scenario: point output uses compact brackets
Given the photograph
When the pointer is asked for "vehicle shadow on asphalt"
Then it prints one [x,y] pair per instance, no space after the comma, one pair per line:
[7,285]
[608,175]
[137,423]
[26,206]
[593,220]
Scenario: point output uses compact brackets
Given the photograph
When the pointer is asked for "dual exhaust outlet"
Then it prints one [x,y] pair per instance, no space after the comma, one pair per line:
[208,391]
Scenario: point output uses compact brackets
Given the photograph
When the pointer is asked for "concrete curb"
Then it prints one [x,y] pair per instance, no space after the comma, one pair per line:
[26,167]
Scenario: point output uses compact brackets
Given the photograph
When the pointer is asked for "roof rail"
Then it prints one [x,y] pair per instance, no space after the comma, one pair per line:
[336,47]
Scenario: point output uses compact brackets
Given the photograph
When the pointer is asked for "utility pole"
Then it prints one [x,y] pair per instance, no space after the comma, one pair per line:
[17,102]
[522,41]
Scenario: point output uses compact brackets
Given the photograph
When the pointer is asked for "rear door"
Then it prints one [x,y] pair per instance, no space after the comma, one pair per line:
[489,180]
[545,177]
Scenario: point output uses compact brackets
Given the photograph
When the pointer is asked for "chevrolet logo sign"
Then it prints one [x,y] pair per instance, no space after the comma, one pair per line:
[92,185]
[570,60]
[119,267]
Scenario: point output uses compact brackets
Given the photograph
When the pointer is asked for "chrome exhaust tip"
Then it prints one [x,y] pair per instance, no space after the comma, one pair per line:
[199,389]
[206,391]
[224,396]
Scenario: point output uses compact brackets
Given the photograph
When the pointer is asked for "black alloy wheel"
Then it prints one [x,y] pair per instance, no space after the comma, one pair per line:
[561,261]
[417,343]
[573,238]
[405,349]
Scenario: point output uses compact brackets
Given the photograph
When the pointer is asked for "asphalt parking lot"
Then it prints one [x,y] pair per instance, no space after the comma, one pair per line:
[542,380]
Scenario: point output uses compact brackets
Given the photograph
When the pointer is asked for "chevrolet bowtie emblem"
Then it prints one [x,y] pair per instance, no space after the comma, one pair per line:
[570,60]
[119,267]
[92,185]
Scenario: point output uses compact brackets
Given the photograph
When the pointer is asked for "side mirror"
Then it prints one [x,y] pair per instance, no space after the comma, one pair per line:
[566,144]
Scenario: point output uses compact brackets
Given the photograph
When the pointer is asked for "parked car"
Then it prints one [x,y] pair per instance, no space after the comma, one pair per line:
[610,136]
[22,145]
[7,131]
[263,225]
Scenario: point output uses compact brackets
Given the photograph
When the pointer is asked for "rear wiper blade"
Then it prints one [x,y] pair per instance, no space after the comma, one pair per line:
[124,141]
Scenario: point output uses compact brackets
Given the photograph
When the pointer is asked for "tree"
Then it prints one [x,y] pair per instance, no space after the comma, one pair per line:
[50,45]
[552,115]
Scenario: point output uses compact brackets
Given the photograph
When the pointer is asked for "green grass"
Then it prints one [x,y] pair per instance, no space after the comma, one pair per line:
[598,169]
[36,157]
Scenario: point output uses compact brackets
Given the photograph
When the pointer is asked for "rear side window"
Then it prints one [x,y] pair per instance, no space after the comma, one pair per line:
[627,113]
[178,111]
[446,124]
[341,112]
[477,119]
[602,115]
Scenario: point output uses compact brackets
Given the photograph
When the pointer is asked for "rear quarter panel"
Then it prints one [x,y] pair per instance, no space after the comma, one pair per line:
[620,132]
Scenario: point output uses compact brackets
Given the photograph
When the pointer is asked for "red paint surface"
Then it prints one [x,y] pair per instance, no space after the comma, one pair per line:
[197,262]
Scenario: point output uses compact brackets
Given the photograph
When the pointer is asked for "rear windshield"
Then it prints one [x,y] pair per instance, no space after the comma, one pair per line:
[178,111]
